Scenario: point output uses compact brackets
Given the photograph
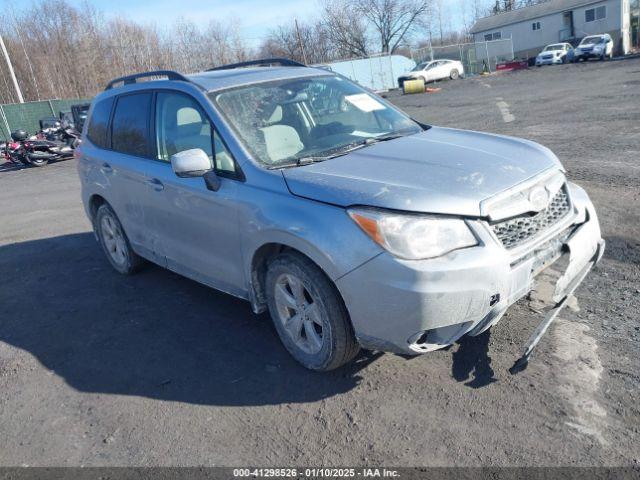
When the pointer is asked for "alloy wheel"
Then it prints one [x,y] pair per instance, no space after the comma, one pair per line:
[299,313]
[114,240]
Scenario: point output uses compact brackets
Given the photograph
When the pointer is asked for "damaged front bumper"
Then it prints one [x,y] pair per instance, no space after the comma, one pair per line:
[413,307]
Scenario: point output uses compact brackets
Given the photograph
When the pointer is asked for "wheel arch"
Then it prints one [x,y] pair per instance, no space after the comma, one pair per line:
[95,202]
[262,254]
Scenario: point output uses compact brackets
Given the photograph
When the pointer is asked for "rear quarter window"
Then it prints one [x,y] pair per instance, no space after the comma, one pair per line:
[98,127]
[130,127]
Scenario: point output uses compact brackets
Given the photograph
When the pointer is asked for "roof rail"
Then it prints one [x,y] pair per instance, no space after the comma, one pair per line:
[264,62]
[131,79]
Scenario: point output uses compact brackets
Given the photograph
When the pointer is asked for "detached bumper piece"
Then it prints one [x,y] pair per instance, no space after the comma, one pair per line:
[567,284]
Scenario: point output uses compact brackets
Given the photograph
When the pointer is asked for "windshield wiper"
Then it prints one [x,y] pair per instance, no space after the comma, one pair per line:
[308,160]
[384,138]
[298,162]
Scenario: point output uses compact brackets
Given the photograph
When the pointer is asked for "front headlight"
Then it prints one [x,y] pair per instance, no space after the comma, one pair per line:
[413,236]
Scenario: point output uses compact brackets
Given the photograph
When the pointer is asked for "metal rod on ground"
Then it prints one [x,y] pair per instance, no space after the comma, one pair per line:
[13,74]
[304,54]
[551,315]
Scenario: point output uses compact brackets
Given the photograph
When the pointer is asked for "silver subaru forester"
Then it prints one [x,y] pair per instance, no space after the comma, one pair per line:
[307,195]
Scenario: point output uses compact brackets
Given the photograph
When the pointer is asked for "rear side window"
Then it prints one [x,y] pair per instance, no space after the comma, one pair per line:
[99,123]
[130,128]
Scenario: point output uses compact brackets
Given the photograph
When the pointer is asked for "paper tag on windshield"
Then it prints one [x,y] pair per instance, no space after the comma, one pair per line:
[364,102]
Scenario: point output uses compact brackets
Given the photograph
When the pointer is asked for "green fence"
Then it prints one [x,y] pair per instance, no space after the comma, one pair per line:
[25,116]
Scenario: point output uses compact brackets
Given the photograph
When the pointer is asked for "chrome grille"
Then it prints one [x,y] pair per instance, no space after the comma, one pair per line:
[517,230]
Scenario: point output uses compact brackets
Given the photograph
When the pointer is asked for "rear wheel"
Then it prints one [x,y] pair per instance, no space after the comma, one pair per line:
[115,243]
[38,162]
[454,74]
[308,313]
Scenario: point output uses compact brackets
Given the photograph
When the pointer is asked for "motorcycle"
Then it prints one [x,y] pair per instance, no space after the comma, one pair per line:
[40,152]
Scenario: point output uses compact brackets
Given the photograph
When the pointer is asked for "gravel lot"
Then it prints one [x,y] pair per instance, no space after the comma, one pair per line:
[154,369]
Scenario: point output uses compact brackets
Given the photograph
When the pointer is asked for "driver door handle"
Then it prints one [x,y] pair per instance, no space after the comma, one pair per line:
[156,184]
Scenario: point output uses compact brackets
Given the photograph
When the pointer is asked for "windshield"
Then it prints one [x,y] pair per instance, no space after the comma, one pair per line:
[419,67]
[553,47]
[284,121]
[589,40]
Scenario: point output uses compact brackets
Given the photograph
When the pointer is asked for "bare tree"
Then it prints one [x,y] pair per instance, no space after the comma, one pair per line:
[60,50]
[347,33]
[393,20]
[283,41]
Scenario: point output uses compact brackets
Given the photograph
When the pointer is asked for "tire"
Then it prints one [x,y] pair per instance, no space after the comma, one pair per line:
[125,260]
[322,338]
[454,75]
[38,163]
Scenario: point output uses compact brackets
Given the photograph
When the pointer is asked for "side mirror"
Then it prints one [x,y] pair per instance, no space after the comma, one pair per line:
[191,163]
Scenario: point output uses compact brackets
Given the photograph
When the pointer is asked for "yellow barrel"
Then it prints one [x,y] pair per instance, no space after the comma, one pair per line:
[413,86]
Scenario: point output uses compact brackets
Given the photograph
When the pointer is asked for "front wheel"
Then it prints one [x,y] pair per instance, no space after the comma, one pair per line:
[308,313]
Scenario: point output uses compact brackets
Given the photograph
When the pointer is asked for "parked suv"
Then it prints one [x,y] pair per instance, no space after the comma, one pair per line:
[307,195]
[594,46]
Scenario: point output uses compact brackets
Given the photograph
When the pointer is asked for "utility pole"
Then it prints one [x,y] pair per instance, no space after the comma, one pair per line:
[13,74]
[26,56]
[304,55]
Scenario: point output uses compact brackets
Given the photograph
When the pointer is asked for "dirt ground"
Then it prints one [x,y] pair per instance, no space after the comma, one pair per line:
[154,369]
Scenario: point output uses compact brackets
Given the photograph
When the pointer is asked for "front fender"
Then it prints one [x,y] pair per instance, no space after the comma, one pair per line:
[324,233]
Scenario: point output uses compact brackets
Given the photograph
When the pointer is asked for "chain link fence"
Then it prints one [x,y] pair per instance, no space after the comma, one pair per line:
[25,116]
[475,57]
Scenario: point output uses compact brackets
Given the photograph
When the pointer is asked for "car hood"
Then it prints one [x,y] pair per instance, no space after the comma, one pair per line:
[440,170]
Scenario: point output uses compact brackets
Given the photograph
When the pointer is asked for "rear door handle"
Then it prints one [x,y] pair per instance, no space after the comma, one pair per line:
[156,184]
[106,168]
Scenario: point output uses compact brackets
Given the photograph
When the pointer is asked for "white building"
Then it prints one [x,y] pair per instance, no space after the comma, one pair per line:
[531,28]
